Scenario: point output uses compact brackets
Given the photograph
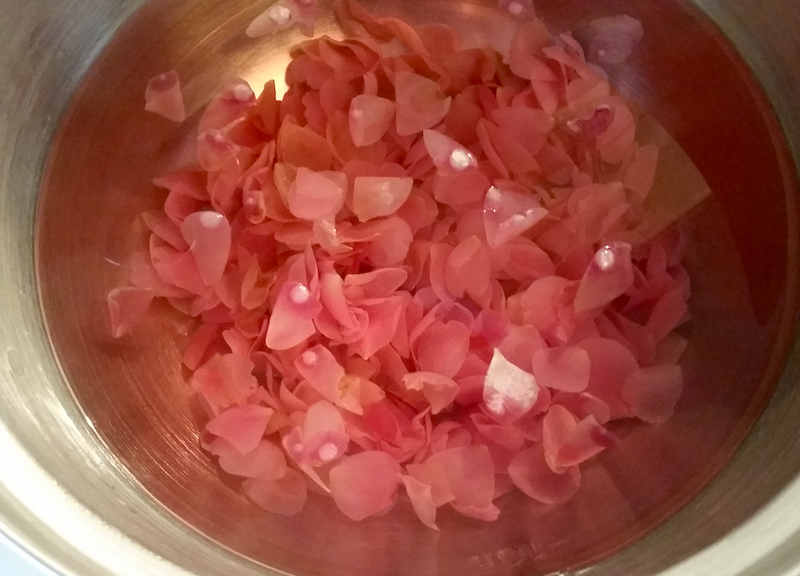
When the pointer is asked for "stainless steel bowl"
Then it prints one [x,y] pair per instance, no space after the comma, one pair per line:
[100,472]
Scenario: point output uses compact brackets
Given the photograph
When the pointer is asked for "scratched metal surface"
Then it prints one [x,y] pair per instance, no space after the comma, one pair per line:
[101,477]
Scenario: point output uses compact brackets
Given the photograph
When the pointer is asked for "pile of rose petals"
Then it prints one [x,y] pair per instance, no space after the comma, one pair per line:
[422,271]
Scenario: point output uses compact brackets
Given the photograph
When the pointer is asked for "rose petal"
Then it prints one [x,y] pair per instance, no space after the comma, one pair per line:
[163,96]
[285,496]
[508,392]
[531,474]
[365,484]
[127,307]
[653,392]
[208,235]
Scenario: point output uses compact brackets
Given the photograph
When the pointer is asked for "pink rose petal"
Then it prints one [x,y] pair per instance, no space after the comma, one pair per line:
[420,103]
[316,195]
[370,117]
[421,500]
[163,96]
[292,319]
[562,368]
[653,392]
[225,380]
[242,426]
[609,275]
[285,496]
[508,214]
[208,235]
[374,197]
[127,307]
[531,474]
[365,484]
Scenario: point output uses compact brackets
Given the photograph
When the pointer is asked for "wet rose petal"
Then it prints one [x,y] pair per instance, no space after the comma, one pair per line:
[163,96]
[507,214]
[316,195]
[127,307]
[365,484]
[531,474]
[285,496]
[208,235]
[420,103]
[370,117]
[652,392]
[374,197]
[609,275]
[242,426]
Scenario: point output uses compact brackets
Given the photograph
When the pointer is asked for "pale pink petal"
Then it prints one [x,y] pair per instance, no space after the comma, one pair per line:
[369,117]
[442,348]
[612,39]
[127,307]
[265,461]
[315,195]
[242,426]
[508,214]
[327,376]
[365,484]
[228,106]
[374,197]
[225,380]
[568,442]
[470,474]
[420,103]
[447,154]
[421,500]
[216,151]
[468,269]
[383,318]
[322,437]
[208,235]
[562,368]
[531,474]
[509,392]
[163,96]
[609,275]
[292,318]
[277,17]
[440,391]
[285,496]
[653,392]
